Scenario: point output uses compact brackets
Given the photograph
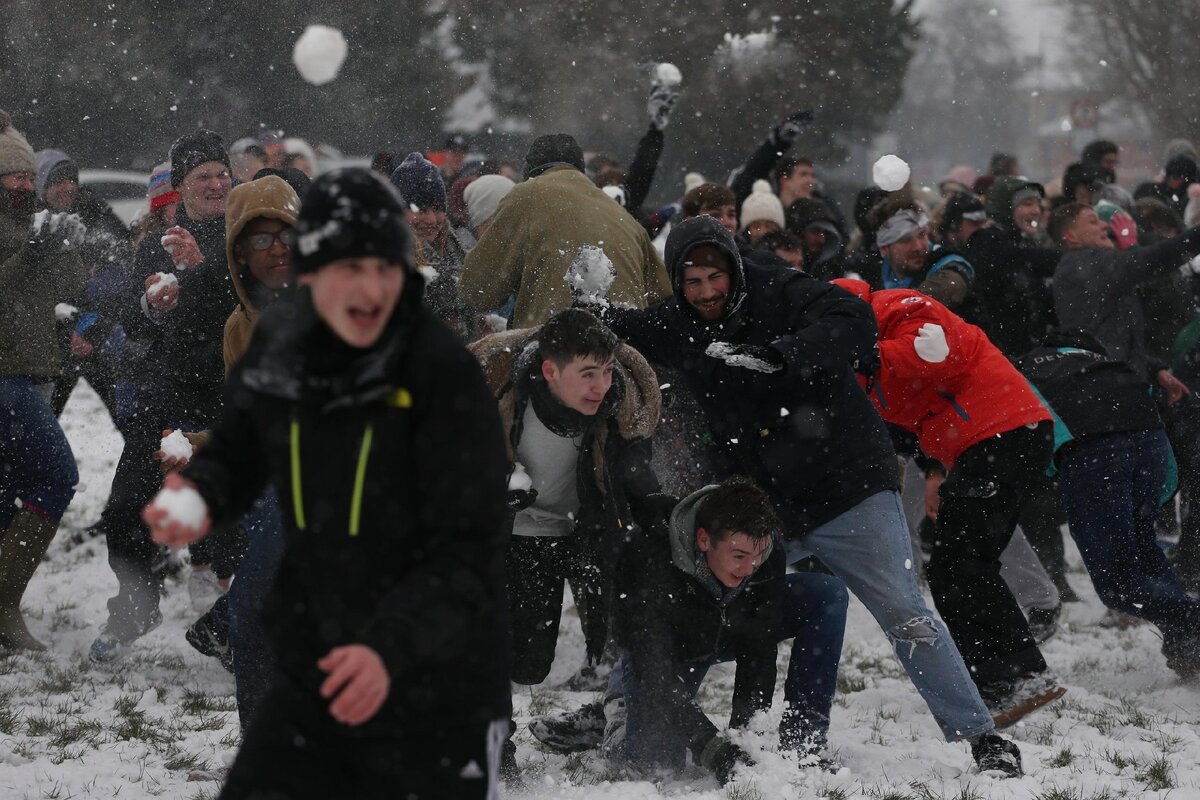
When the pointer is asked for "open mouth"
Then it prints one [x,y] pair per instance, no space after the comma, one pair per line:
[366,318]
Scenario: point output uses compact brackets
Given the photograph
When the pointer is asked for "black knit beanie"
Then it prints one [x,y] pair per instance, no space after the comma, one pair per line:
[555,149]
[350,213]
[193,149]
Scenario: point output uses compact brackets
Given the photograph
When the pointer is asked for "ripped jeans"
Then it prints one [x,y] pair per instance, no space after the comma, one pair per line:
[868,547]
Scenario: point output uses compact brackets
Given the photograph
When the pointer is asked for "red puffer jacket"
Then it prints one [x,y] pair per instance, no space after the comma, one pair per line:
[939,377]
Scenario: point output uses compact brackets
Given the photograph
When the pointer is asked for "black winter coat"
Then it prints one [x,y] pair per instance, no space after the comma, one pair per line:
[1090,392]
[670,621]
[1012,302]
[390,468]
[808,435]
[184,367]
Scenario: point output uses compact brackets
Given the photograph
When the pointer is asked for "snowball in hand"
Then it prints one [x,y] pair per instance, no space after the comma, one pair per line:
[165,281]
[519,481]
[890,173]
[176,446]
[184,506]
[319,54]
[667,74]
[590,275]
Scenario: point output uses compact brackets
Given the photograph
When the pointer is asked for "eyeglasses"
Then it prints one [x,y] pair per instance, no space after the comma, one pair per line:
[265,241]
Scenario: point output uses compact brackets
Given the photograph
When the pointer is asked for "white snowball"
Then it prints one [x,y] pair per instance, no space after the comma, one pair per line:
[64,312]
[890,173]
[319,54]
[519,481]
[668,74]
[165,280]
[184,506]
[590,274]
[176,445]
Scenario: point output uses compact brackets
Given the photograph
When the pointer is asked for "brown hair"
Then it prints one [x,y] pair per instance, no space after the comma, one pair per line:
[706,196]
[1063,218]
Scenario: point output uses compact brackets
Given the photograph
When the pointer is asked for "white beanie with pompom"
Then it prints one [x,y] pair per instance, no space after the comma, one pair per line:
[762,204]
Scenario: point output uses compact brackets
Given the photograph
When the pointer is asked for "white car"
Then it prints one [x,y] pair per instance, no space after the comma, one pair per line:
[125,191]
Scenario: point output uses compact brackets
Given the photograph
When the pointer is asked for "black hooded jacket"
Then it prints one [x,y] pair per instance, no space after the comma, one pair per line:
[1091,393]
[1013,304]
[807,434]
[390,469]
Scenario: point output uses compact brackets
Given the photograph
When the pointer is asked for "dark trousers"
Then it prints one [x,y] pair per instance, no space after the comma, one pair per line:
[253,657]
[36,464]
[1041,519]
[981,501]
[538,569]
[222,549]
[294,750]
[131,552]
[99,370]
[1112,489]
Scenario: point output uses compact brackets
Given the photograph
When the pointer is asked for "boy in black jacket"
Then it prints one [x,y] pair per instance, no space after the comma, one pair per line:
[376,428]
[706,584]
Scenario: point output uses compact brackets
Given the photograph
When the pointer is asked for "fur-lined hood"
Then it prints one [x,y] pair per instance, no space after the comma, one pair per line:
[636,416]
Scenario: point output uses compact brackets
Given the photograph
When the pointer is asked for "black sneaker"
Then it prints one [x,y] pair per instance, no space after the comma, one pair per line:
[1183,655]
[1011,700]
[582,729]
[208,640]
[996,754]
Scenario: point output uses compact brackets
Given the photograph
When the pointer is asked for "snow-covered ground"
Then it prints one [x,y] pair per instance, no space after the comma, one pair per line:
[1127,728]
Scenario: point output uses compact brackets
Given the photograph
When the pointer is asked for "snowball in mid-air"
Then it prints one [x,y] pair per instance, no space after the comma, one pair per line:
[176,445]
[890,173]
[590,274]
[667,74]
[184,506]
[319,54]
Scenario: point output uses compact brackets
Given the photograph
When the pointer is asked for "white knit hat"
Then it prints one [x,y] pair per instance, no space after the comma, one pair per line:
[483,196]
[692,180]
[761,204]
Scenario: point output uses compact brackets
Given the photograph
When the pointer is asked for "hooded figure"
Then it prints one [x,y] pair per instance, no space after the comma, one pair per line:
[270,197]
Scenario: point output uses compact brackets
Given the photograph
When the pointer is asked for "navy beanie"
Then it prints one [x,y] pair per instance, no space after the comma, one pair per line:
[349,213]
[420,183]
[193,149]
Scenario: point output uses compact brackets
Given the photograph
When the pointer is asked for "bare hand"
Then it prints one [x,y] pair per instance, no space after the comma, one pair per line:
[933,499]
[1176,389]
[175,463]
[359,679]
[80,347]
[163,300]
[165,529]
[181,245]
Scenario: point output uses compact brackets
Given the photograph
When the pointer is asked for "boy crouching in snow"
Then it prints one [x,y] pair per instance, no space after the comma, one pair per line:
[376,427]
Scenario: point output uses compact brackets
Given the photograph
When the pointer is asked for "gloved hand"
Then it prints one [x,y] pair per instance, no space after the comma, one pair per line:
[521,499]
[722,756]
[55,233]
[786,131]
[759,358]
[662,101]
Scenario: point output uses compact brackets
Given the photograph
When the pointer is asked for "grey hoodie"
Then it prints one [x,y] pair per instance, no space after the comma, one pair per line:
[687,556]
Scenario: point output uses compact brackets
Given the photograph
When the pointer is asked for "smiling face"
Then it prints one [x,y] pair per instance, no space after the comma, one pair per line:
[580,384]
[271,265]
[1028,215]
[425,222]
[356,297]
[205,189]
[706,289]
[733,556]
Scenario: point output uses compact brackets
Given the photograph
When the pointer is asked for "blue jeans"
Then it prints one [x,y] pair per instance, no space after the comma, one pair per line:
[869,548]
[814,617]
[253,658]
[1111,490]
[36,463]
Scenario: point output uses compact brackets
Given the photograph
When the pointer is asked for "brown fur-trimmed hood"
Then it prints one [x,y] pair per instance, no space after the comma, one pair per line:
[636,416]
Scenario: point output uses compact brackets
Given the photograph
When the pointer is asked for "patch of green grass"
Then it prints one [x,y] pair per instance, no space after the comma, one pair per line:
[1158,775]
[848,684]
[1063,758]
[198,703]
[39,726]
[183,761]
[57,681]
[1118,759]
[83,730]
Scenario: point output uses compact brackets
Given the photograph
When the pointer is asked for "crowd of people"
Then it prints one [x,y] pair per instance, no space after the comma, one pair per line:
[393,412]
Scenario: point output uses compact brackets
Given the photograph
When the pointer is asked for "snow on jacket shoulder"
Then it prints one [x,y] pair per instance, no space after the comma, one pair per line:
[939,376]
